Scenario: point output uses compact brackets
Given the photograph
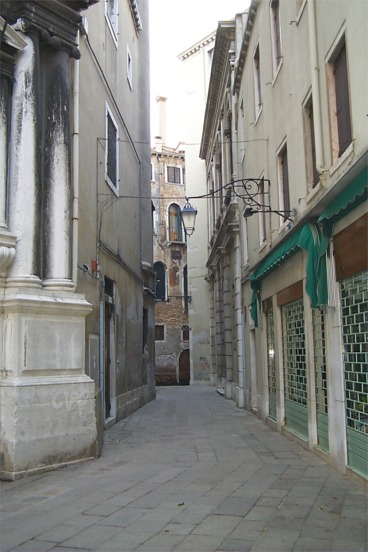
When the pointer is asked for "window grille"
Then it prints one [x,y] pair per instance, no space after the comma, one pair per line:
[294,354]
[354,301]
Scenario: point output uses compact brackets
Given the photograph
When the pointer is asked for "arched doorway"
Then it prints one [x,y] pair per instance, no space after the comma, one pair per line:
[184,367]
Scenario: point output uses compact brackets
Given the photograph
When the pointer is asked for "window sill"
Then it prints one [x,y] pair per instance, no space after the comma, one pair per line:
[115,189]
[342,159]
[314,192]
[112,31]
[258,114]
[278,69]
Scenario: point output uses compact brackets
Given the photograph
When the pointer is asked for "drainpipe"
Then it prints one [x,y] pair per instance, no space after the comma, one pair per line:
[317,118]
[239,324]
[101,353]
[75,168]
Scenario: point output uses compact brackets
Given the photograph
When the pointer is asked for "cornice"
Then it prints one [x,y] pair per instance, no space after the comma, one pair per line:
[245,43]
[197,46]
[220,66]
[55,22]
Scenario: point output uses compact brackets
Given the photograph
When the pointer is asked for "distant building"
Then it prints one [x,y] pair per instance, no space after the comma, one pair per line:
[196,67]
[76,263]
[172,356]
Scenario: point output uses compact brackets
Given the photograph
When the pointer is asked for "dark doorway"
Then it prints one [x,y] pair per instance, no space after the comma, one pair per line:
[184,367]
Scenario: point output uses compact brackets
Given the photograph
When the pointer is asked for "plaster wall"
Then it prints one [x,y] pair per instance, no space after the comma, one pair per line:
[196,70]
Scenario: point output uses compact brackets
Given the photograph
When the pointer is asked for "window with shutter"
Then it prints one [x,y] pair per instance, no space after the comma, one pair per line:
[342,100]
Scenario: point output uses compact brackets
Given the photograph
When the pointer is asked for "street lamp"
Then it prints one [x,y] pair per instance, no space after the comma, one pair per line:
[188,216]
[254,192]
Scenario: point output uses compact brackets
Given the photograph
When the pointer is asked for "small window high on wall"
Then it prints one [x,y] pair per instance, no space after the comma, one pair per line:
[160,276]
[174,175]
[175,225]
[111,153]
[111,13]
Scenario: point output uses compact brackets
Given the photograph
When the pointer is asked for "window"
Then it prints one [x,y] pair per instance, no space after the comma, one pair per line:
[185,282]
[159,332]
[145,330]
[129,69]
[175,227]
[174,175]
[111,13]
[311,164]
[112,148]
[257,82]
[283,176]
[185,333]
[276,34]
[160,279]
[338,83]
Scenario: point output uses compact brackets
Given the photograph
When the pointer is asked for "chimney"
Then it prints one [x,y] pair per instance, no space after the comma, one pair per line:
[162,117]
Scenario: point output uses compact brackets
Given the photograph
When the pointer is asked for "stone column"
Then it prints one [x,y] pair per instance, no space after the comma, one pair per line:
[240,397]
[11,44]
[57,229]
[228,317]
[219,329]
[211,284]
[24,170]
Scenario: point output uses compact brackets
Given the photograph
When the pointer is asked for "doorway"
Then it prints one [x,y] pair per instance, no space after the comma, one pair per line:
[184,367]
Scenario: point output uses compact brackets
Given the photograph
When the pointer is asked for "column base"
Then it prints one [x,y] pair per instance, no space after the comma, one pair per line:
[47,422]
[47,402]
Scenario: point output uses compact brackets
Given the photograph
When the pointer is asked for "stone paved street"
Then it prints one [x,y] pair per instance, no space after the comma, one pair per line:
[188,472]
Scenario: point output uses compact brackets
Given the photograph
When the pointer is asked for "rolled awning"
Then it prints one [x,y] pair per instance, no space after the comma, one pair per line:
[308,238]
[352,196]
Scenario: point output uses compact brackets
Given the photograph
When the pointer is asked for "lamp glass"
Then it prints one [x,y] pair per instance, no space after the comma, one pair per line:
[188,216]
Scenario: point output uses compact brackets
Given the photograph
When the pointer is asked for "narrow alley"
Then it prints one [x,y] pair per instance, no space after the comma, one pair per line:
[188,471]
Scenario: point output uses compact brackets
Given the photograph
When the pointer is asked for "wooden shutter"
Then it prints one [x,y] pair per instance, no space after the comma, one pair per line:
[342,100]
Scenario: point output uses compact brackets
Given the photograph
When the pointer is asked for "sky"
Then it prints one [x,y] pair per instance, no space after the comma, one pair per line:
[175,26]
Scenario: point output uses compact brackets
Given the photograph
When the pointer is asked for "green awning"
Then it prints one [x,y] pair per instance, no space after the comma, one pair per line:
[352,196]
[310,239]
[271,262]
[276,257]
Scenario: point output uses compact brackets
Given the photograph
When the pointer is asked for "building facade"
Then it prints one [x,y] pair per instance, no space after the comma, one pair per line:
[196,66]
[172,296]
[285,111]
[77,314]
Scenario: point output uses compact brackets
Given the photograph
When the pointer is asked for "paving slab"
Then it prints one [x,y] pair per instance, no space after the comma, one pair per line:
[188,472]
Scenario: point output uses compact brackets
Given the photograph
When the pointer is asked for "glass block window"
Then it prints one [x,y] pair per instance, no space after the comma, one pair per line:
[271,352]
[293,352]
[354,305]
[320,360]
